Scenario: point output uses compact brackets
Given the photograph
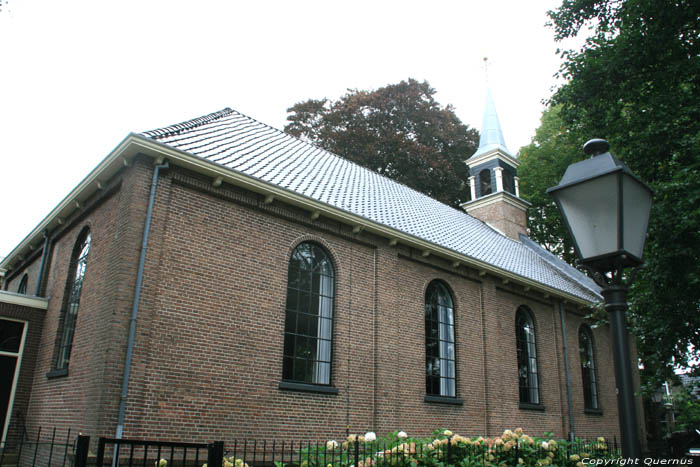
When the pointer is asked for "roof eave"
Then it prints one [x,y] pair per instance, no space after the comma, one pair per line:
[135,144]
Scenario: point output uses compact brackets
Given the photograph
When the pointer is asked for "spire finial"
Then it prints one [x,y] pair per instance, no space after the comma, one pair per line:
[486,69]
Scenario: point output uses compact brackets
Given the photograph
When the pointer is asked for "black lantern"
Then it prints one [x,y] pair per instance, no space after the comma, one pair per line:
[606,209]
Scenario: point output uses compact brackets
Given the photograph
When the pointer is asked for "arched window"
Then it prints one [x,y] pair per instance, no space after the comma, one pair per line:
[309,316]
[485,182]
[588,371]
[439,341]
[527,357]
[508,182]
[71,301]
[23,284]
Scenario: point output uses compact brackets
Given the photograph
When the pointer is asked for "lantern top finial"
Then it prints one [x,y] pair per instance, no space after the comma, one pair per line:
[595,147]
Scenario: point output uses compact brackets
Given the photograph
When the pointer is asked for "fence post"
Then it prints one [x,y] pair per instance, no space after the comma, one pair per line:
[517,452]
[100,452]
[81,451]
[215,454]
[357,452]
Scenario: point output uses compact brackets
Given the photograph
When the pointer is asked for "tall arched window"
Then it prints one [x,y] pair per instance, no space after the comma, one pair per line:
[439,341]
[309,316]
[527,357]
[23,284]
[485,182]
[588,371]
[71,301]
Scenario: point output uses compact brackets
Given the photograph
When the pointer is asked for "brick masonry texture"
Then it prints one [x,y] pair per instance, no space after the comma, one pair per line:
[505,217]
[34,321]
[208,355]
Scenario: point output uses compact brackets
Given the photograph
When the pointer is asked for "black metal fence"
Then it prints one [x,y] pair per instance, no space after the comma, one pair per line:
[44,448]
[54,450]
[111,451]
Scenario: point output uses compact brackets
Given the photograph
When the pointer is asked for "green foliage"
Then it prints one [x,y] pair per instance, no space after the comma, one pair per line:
[686,406]
[399,131]
[636,83]
[445,448]
[543,162]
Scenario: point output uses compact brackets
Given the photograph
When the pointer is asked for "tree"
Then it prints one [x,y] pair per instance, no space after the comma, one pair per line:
[399,131]
[542,164]
[636,82]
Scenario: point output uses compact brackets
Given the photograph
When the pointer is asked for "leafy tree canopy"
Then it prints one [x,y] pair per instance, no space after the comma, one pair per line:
[399,131]
[543,163]
[636,83]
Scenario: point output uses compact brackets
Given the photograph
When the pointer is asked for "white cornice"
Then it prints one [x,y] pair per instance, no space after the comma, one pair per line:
[494,154]
[136,144]
[24,300]
[501,196]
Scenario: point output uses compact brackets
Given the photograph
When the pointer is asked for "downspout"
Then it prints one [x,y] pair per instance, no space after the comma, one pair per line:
[135,306]
[44,258]
[566,372]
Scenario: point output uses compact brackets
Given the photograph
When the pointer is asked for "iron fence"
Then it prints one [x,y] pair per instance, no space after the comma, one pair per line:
[74,451]
[112,451]
[51,449]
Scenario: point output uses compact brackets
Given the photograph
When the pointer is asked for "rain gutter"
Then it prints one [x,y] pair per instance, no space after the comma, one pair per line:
[569,402]
[135,306]
[42,268]
[135,144]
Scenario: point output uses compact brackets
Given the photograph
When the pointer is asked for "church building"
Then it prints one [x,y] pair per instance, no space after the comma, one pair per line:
[219,279]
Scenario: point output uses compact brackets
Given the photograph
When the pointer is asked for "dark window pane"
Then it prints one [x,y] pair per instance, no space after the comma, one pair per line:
[439,341]
[310,298]
[74,287]
[528,378]
[288,368]
[22,289]
[588,368]
[10,335]
[485,182]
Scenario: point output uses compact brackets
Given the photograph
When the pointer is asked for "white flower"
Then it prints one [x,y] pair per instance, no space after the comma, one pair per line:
[447,433]
[370,436]
[402,435]
[545,445]
[332,444]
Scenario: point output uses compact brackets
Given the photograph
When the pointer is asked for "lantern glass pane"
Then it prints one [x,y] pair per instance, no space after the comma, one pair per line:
[591,210]
[636,208]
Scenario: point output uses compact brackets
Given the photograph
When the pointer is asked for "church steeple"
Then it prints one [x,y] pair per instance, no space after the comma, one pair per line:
[493,170]
[491,134]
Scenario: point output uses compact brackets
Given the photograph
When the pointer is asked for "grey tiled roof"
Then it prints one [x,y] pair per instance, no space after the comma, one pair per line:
[248,146]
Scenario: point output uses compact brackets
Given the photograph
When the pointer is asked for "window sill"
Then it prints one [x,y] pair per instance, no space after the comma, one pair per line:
[443,400]
[58,373]
[306,387]
[528,406]
[593,411]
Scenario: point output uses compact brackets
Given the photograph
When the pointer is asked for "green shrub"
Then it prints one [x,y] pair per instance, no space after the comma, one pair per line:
[445,448]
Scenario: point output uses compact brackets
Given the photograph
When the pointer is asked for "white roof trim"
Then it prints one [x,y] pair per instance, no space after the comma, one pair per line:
[23,300]
[135,144]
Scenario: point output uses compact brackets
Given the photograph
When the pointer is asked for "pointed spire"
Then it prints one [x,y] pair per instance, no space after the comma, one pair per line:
[491,133]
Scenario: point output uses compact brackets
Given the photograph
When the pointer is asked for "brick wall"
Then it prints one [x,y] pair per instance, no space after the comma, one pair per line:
[34,319]
[208,356]
[507,218]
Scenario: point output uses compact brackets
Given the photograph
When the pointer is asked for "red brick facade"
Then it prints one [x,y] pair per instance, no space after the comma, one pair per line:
[208,356]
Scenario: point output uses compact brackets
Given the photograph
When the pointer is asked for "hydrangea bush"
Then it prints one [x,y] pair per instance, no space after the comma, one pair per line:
[446,448]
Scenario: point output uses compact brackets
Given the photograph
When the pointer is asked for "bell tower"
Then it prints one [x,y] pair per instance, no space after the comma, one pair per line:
[493,170]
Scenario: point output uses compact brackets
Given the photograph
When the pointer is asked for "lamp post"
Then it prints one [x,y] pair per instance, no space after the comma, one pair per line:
[606,209]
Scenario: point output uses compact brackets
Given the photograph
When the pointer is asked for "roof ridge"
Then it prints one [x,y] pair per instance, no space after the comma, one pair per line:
[178,128]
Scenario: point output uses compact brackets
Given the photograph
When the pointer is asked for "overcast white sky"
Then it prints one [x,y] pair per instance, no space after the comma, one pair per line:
[76,76]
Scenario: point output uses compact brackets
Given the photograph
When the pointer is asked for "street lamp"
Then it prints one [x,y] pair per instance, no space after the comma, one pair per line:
[606,209]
